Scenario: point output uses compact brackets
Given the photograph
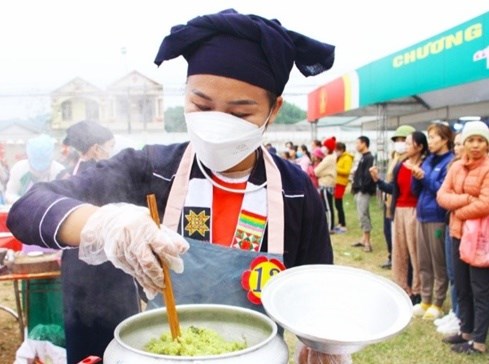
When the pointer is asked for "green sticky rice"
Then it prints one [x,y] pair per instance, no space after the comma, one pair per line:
[193,341]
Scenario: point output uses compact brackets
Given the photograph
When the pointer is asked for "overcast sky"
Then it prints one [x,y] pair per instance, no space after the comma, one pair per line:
[44,44]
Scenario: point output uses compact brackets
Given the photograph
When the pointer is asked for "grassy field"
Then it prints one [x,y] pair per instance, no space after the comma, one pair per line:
[419,343]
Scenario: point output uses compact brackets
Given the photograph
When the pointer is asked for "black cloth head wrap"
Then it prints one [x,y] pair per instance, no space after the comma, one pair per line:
[85,134]
[245,47]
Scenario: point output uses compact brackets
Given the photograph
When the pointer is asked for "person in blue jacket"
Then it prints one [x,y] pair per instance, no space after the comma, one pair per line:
[427,180]
[224,200]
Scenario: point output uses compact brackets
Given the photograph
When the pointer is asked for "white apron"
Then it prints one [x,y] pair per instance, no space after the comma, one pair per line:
[213,273]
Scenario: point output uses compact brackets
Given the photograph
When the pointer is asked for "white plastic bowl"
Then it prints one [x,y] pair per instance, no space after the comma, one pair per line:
[336,309]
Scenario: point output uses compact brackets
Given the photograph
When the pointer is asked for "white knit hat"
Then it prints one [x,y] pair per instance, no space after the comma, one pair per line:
[472,128]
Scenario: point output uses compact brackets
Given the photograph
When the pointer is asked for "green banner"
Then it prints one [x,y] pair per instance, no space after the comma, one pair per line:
[457,56]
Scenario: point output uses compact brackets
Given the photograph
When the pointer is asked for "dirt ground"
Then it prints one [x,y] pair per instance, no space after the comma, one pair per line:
[10,338]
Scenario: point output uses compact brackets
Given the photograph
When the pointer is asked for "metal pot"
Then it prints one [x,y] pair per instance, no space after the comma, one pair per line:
[231,322]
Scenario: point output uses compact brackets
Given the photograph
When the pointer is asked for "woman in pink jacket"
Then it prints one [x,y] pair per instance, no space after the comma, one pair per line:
[465,192]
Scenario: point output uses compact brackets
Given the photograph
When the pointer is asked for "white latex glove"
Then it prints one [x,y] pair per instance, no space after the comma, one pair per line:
[127,236]
[307,355]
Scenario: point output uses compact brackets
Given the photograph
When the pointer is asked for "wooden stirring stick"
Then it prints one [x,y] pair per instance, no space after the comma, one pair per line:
[168,290]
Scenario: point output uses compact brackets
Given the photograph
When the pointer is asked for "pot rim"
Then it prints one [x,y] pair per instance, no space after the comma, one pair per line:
[191,307]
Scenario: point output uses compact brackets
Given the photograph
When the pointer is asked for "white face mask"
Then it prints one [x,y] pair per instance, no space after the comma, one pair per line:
[222,140]
[400,147]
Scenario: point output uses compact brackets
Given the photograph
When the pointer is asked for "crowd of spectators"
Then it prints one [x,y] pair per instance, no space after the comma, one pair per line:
[436,181]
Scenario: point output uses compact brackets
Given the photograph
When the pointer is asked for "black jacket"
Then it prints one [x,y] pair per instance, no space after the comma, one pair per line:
[362,181]
[131,175]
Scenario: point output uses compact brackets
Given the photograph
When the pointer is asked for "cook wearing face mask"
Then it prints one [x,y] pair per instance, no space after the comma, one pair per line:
[92,141]
[39,166]
[112,291]
[222,197]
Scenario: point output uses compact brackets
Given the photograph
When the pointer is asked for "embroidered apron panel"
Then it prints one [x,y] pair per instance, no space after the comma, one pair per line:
[213,275]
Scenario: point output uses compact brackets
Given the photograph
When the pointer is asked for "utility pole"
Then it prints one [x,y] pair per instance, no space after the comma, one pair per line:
[314,129]
[382,157]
